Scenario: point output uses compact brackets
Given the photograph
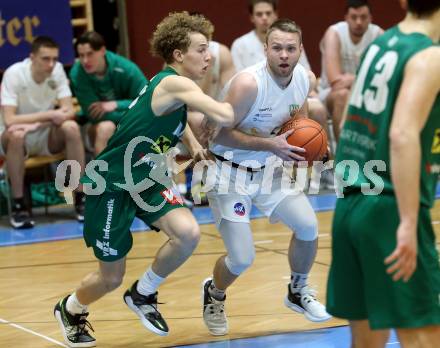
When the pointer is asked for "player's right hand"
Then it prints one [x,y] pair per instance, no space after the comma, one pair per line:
[284,150]
[59,116]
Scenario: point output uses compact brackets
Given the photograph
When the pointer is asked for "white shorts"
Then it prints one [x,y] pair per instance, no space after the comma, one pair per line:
[264,191]
[323,93]
[35,143]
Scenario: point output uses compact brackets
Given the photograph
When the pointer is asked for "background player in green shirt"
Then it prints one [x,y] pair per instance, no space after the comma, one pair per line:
[159,113]
[385,266]
[105,84]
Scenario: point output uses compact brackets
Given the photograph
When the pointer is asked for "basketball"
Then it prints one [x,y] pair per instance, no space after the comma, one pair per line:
[309,135]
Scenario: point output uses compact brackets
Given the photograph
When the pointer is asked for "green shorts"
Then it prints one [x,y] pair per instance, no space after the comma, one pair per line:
[108,218]
[364,234]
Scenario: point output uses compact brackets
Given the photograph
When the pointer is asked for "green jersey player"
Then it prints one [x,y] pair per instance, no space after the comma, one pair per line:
[157,117]
[385,267]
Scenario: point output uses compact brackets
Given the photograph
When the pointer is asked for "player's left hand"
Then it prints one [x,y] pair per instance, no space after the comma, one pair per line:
[24,127]
[202,154]
[98,109]
[209,130]
[403,260]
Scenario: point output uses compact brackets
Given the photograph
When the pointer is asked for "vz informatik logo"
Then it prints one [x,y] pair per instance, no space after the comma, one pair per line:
[105,247]
[171,197]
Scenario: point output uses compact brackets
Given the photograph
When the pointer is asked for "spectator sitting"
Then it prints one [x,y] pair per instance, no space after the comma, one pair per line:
[105,84]
[341,49]
[29,92]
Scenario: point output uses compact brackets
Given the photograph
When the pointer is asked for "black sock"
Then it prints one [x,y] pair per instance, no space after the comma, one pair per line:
[18,204]
[79,197]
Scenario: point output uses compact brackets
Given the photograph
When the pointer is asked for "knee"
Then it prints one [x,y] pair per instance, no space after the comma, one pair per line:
[318,112]
[341,95]
[13,140]
[16,137]
[71,129]
[105,129]
[316,106]
[112,282]
[307,231]
[188,236]
[237,264]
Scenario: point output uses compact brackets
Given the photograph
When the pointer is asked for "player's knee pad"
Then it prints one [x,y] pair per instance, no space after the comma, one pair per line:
[306,231]
[239,244]
[238,264]
[299,216]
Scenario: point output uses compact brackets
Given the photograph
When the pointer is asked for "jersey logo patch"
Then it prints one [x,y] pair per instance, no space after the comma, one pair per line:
[161,145]
[293,109]
[239,209]
[436,142]
[52,84]
[254,131]
[105,248]
[171,198]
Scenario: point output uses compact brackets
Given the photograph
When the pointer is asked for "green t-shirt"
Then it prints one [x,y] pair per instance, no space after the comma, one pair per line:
[122,82]
[365,135]
[140,142]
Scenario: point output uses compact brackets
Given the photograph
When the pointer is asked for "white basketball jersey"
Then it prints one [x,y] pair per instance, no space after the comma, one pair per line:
[19,89]
[273,107]
[350,52]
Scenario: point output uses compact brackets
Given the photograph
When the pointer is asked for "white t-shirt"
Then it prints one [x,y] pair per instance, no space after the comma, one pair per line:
[350,53]
[215,88]
[248,50]
[273,107]
[19,89]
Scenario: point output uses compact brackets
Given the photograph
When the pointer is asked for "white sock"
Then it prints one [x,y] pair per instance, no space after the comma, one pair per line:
[182,188]
[149,283]
[73,306]
[298,280]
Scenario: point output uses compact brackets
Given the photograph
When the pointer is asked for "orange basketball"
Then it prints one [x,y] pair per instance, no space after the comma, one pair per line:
[309,135]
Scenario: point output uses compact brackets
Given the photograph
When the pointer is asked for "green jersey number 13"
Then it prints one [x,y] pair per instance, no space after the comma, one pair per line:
[375,96]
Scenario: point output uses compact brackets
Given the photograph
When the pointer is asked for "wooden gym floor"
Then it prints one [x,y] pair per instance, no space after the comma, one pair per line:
[33,277]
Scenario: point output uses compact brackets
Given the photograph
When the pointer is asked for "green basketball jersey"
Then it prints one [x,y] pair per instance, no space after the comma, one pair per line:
[365,136]
[137,148]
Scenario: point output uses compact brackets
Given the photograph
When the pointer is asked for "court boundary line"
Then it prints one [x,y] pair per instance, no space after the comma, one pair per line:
[19,327]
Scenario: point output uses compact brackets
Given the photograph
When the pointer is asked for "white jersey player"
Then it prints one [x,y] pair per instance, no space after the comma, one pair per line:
[264,97]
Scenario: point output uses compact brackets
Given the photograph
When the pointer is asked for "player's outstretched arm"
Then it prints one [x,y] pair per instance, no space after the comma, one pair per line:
[175,90]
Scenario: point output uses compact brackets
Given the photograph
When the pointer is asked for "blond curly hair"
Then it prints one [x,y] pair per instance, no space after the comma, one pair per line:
[173,33]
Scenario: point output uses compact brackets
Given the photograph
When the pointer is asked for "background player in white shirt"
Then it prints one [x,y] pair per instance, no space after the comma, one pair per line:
[248,49]
[341,49]
[32,126]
